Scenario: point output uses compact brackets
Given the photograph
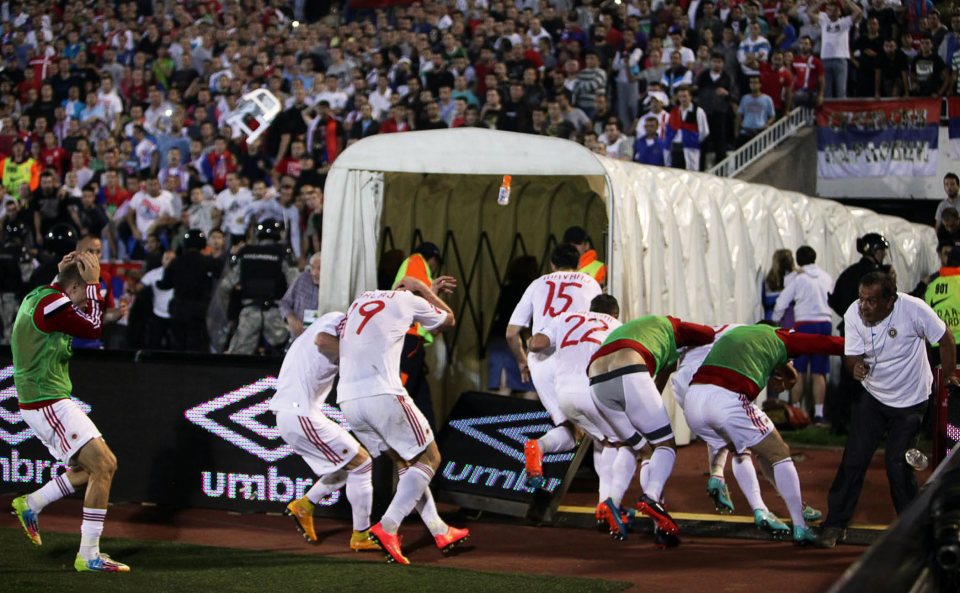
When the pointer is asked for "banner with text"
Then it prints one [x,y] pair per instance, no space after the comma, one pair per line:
[887,138]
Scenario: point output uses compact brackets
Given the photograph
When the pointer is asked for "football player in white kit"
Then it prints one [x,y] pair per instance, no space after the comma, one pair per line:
[575,337]
[305,380]
[382,414]
[743,468]
[563,290]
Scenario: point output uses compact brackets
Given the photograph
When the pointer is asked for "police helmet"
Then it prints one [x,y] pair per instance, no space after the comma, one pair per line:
[15,231]
[60,240]
[194,239]
[270,228]
[872,242]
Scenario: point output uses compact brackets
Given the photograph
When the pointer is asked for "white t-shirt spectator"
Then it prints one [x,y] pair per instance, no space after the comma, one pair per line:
[336,99]
[148,208]
[899,374]
[234,208]
[835,37]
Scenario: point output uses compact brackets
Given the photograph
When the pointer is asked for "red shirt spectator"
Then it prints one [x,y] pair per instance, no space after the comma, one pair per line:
[807,71]
[775,82]
[218,163]
[54,158]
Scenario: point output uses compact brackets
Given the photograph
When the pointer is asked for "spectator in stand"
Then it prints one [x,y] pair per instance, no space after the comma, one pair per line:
[589,82]
[755,113]
[717,94]
[951,187]
[299,304]
[650,148]
[835,48]
[892,77]
[927,71]
[754,44]
[867,58]
[677,75]
[776,81]
[230,211]
[808,76]
[218,163]
[617,145]
[948,233]
[687,128]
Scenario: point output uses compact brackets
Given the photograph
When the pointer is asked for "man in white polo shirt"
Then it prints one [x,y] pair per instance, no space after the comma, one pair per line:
[885,334]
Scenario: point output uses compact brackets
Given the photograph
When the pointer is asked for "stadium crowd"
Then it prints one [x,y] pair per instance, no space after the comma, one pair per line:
[113,114]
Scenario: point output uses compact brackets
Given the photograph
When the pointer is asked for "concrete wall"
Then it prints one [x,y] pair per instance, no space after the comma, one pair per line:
[792,166]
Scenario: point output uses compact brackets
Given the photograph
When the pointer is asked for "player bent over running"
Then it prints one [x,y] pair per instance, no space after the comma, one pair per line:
[564,290]
[719,403]
[575,337]
[48,319]
[744,471]
[305,380]
[381,413]
[622,385]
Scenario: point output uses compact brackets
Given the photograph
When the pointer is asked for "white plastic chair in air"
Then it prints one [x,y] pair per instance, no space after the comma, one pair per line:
[254,113]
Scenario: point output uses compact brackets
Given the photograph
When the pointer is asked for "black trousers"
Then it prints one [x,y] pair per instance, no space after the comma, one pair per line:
[871,421]
[841,400]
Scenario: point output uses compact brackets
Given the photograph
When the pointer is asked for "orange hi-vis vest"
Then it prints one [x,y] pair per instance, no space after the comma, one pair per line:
[590,265]
[416,266]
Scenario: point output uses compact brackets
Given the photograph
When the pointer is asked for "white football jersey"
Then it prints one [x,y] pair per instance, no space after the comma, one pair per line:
[372,341]
[575,338]
[554,294]
[307,375]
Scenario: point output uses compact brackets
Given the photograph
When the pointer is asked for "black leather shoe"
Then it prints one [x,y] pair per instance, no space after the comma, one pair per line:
[829,537]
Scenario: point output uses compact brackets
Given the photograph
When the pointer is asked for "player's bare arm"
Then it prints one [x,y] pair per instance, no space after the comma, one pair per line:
[948,358]
[423,291]
[538,343]
[515,342]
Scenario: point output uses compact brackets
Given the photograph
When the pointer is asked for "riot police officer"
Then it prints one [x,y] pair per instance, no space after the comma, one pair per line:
[261,273]
[60,240]
[191,276]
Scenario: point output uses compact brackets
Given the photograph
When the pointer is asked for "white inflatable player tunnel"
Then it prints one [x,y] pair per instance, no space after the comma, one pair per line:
[687,244]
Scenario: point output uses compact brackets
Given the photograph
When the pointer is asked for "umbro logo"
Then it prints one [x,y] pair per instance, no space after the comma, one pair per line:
[13,429]
[508,433]
[241,418]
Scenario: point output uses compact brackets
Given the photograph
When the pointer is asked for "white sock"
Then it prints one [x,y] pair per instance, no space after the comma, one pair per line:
[427,509]
[717,460]
[52,491]
[788,483]
[644,475]
[602,462]
[410,487]
[557,439]
[746,475]
[326,485]
[661,466]
[90,531]
[360,494]
[818,410]
[624,466]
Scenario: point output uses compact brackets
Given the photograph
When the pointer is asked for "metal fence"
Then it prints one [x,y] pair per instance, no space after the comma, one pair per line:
[763,142]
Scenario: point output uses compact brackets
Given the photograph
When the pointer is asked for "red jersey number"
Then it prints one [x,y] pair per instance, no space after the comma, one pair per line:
[558,293]
[367,311]
[593,326]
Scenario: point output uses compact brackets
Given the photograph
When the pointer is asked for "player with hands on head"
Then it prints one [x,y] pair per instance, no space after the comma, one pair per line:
[382,414]
[49,317]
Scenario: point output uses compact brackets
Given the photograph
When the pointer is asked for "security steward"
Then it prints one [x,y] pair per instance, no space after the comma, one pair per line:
[874,248]
[424,265]
[261,274]
[13,253]
[191,275]
[589,262]
[943,296]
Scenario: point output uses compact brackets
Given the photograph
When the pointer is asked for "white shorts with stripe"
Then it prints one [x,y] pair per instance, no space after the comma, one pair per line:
[62,427]
[723,418]
[384,422]
[542,373]
[323,444]
[578,406]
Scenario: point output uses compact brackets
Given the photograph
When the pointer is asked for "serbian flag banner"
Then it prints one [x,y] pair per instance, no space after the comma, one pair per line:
[953,127]
[887,138]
